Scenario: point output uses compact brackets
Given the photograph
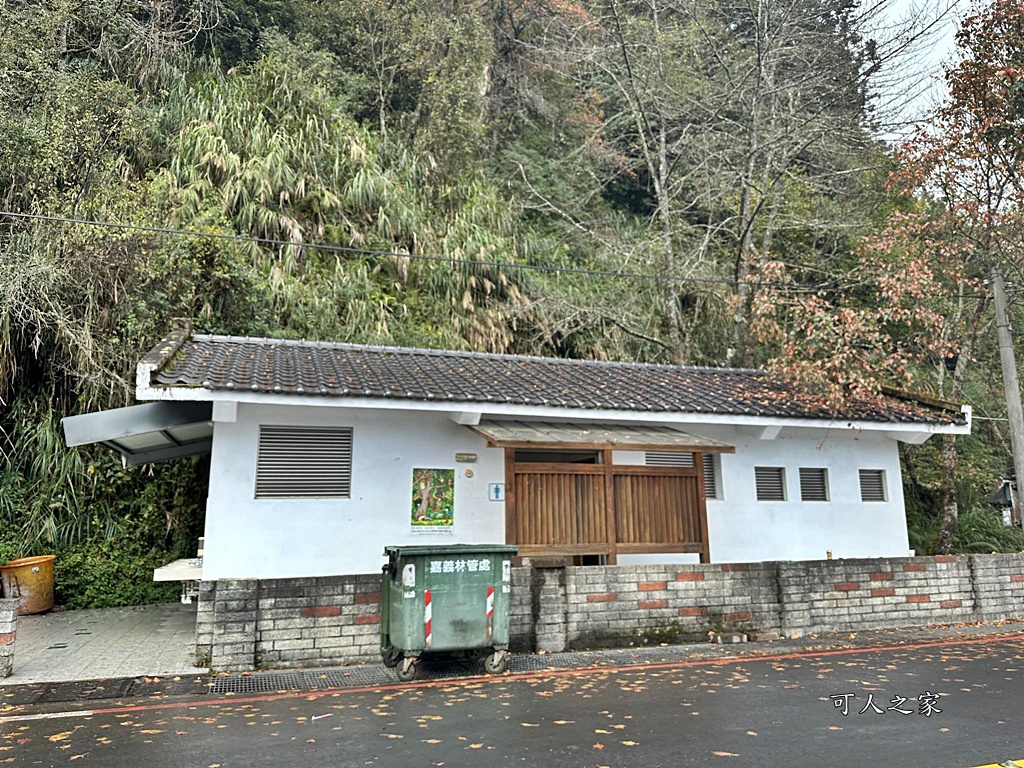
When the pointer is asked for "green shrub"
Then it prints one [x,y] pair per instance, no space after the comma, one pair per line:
[982,530]
[100,574]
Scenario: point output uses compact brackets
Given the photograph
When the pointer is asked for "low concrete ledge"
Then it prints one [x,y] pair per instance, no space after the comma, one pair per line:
[8,633]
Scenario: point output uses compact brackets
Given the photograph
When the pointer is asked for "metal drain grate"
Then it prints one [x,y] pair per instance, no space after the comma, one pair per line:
[262,683]
[352,677]
[443,669]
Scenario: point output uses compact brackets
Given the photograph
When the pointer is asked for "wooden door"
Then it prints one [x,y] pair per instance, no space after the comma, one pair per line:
[657,509]
[604,509]
[561,509]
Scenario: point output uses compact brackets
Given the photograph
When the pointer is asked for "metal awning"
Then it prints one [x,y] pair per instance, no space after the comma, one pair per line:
[145,434]
[545,435]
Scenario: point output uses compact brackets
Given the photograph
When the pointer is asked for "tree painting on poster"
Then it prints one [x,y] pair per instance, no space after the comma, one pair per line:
[433,498]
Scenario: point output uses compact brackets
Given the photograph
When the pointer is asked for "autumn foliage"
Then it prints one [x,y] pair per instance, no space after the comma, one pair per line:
[876,328]
[913,298]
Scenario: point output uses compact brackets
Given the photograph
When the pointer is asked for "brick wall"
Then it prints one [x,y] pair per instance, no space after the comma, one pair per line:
[242,624]
[318,622]
[837,595]
[998,586]
[611,606]
[324,621]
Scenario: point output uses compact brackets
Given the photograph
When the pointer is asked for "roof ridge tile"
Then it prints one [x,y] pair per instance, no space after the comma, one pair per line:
[458,353]
[341,369]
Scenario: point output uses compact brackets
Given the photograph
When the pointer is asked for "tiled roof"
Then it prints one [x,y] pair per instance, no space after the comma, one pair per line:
[226,363]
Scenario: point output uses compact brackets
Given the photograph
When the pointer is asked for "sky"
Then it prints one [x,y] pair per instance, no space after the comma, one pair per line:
[912,99]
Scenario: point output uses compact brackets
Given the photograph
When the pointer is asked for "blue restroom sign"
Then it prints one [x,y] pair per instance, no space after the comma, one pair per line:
[496,491]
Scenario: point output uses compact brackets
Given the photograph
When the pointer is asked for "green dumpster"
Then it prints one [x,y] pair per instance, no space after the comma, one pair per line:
[445,598]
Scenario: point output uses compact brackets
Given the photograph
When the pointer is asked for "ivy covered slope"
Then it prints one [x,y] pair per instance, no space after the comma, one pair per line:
[725,152]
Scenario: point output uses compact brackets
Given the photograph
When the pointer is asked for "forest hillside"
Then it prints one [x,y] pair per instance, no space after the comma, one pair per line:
[687,181]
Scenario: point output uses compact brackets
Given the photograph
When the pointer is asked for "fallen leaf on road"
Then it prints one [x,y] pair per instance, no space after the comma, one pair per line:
[721,753]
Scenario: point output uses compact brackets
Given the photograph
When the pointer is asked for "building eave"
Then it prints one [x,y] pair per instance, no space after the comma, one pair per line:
[909,431]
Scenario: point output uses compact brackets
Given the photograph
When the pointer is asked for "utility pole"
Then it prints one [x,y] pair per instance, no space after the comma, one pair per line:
[1011,384]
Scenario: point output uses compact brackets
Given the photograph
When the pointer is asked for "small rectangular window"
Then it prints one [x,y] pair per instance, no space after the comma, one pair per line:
[711,477]
[304,462]
[872,485]
[813,484]
[668,459]
[771,483]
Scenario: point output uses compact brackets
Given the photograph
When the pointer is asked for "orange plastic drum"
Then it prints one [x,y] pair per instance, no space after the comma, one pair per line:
[30,580]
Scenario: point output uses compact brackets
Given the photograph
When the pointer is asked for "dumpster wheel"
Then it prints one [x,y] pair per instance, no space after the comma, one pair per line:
[496,662]
[391,657]
[406,670]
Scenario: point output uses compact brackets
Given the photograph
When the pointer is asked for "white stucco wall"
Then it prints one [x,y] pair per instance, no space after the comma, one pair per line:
[262,538]
[743,529]
[280,538]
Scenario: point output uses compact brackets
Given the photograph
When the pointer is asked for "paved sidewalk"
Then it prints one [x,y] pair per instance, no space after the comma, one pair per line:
[135,641]
[158,641]
[373,673]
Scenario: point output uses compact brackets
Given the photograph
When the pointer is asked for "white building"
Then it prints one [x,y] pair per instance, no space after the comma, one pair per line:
[322,454]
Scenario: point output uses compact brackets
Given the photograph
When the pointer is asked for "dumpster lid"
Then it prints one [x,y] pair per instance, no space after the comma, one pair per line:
[450,549]
[632,437]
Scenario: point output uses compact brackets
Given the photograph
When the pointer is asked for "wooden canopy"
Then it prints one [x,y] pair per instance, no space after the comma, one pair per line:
[566,436]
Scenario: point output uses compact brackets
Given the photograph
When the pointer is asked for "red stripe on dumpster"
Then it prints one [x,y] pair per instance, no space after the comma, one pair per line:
[427,622]
[490,612]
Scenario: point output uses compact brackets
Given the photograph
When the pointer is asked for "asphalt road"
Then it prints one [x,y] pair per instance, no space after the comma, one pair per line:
[750,712]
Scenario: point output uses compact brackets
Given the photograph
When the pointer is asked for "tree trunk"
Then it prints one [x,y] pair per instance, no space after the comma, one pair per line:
[949,505]
[671,289]
[947,475]
[738,341]
[653,138]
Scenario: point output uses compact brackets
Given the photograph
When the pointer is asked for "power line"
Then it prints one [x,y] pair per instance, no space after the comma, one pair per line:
[329,247]
[395,254]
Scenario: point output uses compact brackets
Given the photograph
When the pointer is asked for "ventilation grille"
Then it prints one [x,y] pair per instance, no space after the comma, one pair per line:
[304,462]
[813,484]
[668,459]
[710,477]
[771,483]
[872,485]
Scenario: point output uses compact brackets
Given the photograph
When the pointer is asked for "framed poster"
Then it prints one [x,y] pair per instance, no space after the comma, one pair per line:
[433,500]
